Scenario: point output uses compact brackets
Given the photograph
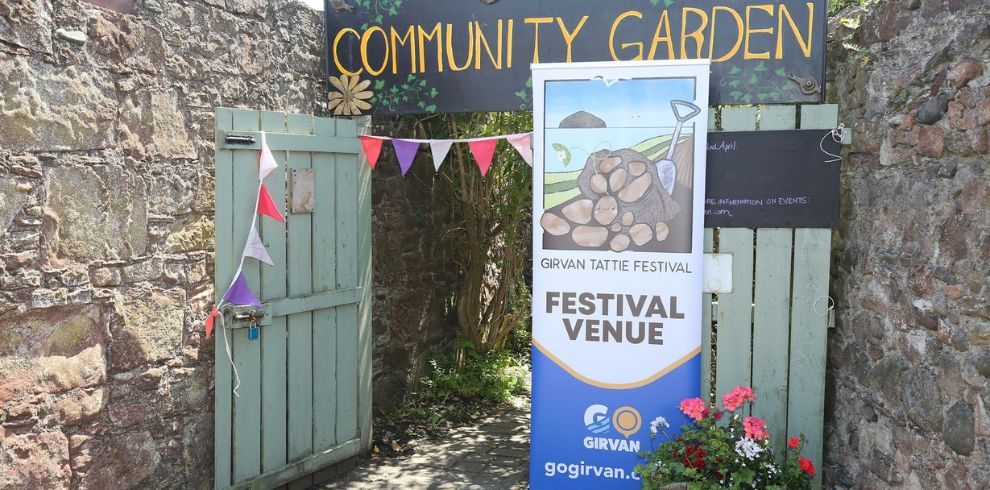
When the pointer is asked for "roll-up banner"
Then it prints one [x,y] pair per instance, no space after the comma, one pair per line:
[617,263]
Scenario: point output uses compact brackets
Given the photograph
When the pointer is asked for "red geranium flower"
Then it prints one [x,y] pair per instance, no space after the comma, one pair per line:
[806,465]
[793,442]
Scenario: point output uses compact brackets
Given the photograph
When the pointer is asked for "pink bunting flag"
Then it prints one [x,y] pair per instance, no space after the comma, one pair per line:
[523,143]
[372,149]
[483,151]
[214,313]
[240,294]
[255,248]
[267,163]
[439,149]
[267,206]
[405,151]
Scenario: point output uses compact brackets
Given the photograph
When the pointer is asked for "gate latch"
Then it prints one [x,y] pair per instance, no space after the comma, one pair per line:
[239,139]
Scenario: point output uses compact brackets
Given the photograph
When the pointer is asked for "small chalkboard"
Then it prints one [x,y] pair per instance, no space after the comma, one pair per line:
[772,179]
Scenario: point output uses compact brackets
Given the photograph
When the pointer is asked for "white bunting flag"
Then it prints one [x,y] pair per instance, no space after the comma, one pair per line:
[523,143]
[256,249]
[267,163]
[439,148]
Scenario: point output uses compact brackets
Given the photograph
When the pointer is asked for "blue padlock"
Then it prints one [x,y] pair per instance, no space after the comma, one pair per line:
[253,332]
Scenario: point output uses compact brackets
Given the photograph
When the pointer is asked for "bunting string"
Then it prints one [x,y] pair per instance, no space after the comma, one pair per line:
[482,148]
[239,292]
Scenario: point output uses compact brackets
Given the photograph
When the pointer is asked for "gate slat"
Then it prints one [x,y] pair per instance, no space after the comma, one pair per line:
[735,310]
[223,271]
[364,361]
[300,325]
[735,313]
[247,353]
[273,337]
[347,317]
[324,279]
[706,331]
[812,250]
[806,397]
[771,318]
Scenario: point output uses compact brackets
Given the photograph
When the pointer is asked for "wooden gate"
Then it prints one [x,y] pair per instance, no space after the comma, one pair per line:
[304,400]
[770,332]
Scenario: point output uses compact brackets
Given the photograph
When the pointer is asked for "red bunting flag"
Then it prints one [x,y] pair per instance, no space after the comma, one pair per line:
[372,149]
[483,151]
[267,206]
[209,321]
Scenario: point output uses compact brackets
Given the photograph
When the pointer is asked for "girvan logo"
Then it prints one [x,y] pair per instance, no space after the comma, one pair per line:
[596,419]
[625,420]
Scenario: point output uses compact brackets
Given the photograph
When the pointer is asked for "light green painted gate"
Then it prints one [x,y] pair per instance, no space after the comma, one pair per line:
[305,385]
[770,332]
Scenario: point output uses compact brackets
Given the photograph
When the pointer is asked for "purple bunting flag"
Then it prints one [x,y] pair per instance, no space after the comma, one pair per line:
[240,294]
[405,151]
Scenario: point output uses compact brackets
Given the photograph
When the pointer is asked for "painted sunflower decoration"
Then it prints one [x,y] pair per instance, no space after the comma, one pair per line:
[350,97]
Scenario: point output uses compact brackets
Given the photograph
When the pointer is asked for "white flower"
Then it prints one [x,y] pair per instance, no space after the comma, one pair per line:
[659,464]
[657,423]
[748,448]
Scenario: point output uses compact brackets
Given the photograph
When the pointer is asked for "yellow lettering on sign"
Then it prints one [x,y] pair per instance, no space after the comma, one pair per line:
[508,50]
[747,55]
[536,21]
[364,50]
[397,41]
[615,26]
[450,48]
[482,41]
[436,34]
[569,36]
[662,35]
[739,34]
[805,45]
[698,34]
[336,59]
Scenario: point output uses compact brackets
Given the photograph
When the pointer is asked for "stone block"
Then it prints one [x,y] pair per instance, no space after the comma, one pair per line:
[100,213]
[190,237]
[79,407]
[12,200]
[959,433]
[27,23]
[150,329]
[47,107]
[35,461]
[125,461]
[152,125]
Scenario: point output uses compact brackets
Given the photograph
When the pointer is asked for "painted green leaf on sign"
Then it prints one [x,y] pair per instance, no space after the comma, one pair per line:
[563,153]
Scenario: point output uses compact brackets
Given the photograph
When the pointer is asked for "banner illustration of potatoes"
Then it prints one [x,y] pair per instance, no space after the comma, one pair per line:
[627,198]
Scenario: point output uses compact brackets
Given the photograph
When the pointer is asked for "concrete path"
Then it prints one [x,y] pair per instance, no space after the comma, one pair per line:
[494,454]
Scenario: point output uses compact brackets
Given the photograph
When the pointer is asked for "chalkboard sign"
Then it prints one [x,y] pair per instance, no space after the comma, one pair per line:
[426,56]
[772,179]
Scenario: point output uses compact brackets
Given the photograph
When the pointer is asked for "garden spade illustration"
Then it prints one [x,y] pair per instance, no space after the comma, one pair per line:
[666,168]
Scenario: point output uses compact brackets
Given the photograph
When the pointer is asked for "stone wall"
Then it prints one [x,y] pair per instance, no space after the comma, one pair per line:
[106,230]
[909,359]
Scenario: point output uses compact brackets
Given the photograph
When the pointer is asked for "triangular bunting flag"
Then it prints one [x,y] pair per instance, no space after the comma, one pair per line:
[209,321]
[256,249]
[267,206]
[240,294]
[267,163]
[523,143]
[372,149]
[439,148]
[405,151]
[483,151]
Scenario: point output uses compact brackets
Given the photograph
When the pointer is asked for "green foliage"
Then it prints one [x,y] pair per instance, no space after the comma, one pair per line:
[489,377]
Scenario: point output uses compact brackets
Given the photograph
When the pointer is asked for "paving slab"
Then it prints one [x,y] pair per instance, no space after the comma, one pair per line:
[493,454]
